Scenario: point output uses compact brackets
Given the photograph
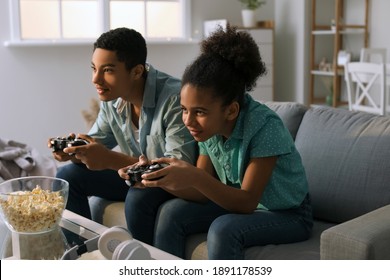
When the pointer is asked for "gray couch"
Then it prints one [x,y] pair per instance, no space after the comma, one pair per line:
[347,160]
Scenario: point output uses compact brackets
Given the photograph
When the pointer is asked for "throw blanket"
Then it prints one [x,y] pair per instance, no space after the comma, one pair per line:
[19,160]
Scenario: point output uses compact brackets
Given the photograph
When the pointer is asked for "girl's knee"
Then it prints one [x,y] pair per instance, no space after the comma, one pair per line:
[222,223]
[171,208]
[134,200]
[220,227]
[173,214]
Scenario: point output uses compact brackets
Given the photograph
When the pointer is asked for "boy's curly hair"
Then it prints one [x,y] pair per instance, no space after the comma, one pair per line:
[229,63]
[129,45]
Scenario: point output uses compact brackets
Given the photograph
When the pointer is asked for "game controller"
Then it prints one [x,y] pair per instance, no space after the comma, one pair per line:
[135,172]
[60,143]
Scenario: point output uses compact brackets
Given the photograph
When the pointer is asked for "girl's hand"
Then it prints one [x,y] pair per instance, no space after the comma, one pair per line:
[123,172]
[142,160]
[175,176]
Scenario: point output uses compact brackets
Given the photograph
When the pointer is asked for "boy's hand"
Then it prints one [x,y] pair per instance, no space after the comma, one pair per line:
[59,155]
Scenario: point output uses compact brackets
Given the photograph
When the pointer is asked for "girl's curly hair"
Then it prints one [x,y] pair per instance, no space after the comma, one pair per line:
[229,64]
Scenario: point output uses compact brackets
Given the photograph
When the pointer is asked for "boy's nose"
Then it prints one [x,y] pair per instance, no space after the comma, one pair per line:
[96,78]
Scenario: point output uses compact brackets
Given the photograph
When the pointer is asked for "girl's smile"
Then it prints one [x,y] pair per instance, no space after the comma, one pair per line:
[203,115]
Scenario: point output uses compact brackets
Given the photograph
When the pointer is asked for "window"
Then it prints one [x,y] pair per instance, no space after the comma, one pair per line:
[84,20]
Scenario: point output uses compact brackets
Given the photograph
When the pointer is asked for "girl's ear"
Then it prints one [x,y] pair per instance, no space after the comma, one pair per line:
[233,110]
[138,70]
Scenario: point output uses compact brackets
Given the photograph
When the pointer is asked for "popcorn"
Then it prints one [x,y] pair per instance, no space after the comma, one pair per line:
[33,211]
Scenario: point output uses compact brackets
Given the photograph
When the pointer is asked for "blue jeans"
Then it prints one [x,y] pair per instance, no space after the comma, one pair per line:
[84,182]
[228,234]
[141,208]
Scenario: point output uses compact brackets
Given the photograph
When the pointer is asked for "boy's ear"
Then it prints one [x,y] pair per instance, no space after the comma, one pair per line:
[138,70]
[233,110]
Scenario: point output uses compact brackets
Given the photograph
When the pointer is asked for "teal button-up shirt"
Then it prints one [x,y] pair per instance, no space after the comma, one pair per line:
[161,129]
[259,132]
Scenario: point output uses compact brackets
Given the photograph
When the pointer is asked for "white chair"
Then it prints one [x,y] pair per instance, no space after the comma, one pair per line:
[366,87]
[378,55]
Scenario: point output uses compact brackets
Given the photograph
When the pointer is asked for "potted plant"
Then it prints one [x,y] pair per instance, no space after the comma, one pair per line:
[248,11]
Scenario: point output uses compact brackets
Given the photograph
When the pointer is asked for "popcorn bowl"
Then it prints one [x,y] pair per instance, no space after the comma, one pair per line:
[31,205]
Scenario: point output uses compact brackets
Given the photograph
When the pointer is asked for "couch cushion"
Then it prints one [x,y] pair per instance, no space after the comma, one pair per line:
[291,114]
[347,161]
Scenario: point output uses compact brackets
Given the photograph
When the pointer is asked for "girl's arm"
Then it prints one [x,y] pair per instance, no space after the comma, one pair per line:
[246,199]
[197,183]
[203,164]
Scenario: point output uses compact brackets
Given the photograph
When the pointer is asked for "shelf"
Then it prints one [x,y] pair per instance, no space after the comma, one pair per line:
[333,39]
[326,73]
[344,32]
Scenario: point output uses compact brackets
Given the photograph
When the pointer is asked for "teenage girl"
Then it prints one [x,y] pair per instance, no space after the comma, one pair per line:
[248,187]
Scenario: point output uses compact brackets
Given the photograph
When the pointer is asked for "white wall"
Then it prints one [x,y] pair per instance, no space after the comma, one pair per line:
[44,89]
[379,25]
[292,42]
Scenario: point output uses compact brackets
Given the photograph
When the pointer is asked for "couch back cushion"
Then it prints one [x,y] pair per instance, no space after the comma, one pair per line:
[291,114]
[347,161]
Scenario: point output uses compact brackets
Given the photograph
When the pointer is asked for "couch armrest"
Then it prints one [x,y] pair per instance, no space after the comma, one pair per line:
[365,237]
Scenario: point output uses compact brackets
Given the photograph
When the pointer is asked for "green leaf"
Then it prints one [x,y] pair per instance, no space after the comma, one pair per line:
[252,4]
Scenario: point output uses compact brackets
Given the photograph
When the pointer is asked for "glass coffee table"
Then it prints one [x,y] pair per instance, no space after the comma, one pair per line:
[75,232]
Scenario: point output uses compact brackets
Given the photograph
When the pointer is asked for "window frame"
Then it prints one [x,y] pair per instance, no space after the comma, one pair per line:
[104,22]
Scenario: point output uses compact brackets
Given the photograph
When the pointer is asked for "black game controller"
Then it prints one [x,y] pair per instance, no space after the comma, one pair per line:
[135,173]
[60,143]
